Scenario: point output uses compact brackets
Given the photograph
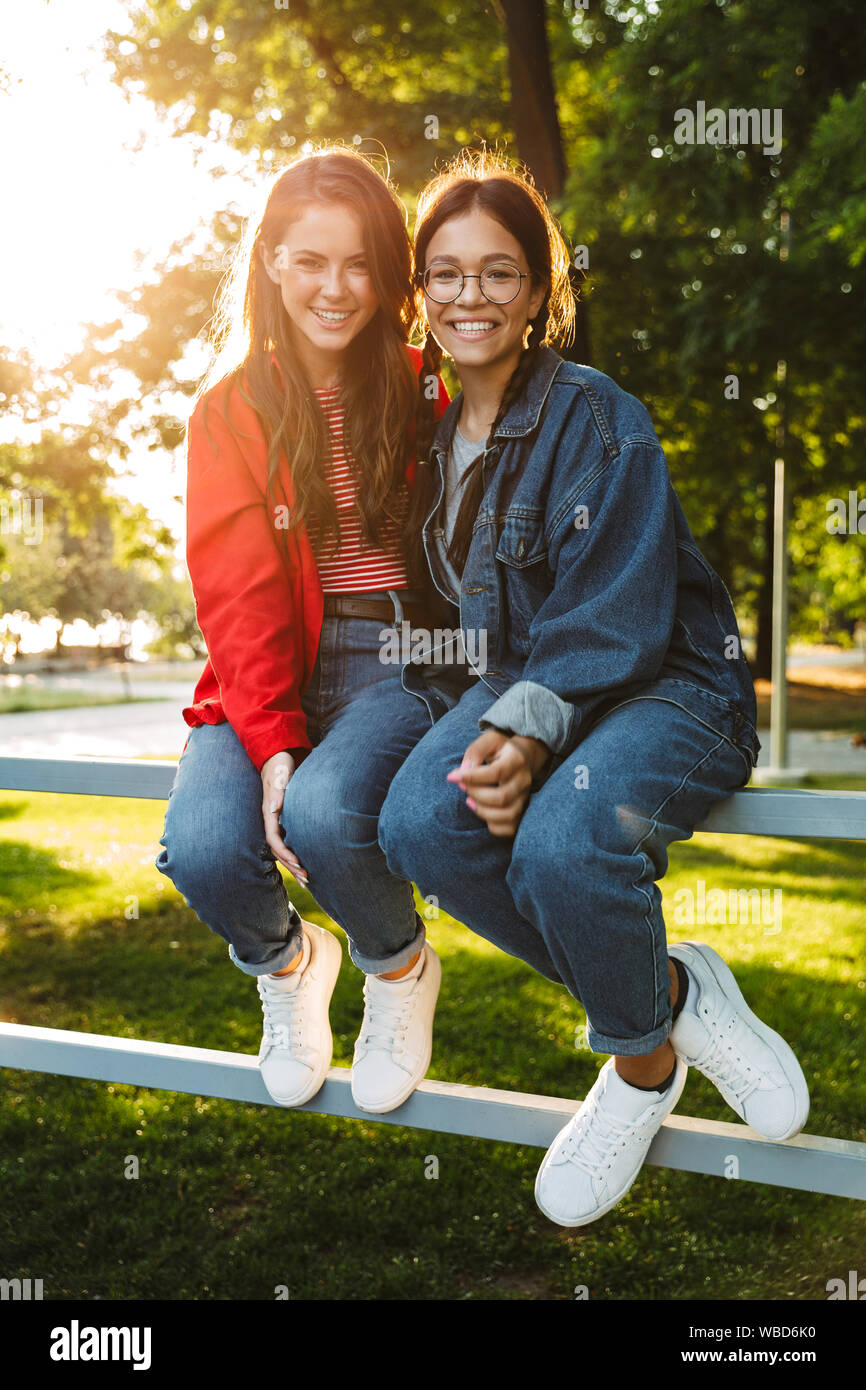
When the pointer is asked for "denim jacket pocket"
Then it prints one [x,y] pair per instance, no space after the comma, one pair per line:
[522,551]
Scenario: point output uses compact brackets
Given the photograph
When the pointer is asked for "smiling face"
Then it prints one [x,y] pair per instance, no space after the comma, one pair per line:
[480,336]
[326,286]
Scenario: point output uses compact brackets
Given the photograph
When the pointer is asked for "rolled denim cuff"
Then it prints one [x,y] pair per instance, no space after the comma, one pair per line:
[293,946]
[378,965]
[532,711]
[628,1047]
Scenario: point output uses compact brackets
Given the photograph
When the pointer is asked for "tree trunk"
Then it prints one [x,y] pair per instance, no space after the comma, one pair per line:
[533,99]
[536,122]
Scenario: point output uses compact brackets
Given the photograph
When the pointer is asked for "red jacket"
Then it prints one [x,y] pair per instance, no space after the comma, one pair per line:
[259,610]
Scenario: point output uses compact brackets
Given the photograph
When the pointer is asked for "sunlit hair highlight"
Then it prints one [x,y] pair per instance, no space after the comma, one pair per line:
[252,339]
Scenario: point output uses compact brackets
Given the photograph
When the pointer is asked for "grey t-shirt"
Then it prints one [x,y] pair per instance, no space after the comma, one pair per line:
[459,457]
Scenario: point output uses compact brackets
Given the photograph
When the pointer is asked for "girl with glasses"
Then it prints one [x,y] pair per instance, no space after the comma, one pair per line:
[616,706]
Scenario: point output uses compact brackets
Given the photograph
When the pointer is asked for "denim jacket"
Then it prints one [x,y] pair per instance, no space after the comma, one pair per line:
[583,572]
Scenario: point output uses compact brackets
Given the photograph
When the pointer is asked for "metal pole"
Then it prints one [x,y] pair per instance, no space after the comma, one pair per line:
[779,693]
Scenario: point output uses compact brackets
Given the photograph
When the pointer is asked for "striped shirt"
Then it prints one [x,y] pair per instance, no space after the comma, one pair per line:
[354,566]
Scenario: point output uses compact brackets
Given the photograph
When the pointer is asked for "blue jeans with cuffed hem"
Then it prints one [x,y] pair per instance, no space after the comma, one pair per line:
[362,724]
[574,892]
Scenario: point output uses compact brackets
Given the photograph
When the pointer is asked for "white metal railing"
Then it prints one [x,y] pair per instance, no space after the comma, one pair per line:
[809,1162]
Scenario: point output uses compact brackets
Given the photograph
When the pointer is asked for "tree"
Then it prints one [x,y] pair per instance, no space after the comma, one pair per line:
[692,306]
[420,80]
[31,582]
[93,555]
[172,608]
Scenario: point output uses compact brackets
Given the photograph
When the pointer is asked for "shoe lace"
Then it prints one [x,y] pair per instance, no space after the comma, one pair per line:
[723,1062]
[385,1019]
[595,1139]
[284,1021]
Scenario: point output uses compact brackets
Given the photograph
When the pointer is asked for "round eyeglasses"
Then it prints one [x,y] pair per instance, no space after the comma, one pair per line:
[498,283]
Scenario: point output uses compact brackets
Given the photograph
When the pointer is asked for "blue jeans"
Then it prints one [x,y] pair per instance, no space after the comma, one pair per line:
[574,892]
[362,724]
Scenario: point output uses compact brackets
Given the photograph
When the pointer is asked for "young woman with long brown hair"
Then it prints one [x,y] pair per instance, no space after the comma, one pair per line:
[300,469]
[616,706]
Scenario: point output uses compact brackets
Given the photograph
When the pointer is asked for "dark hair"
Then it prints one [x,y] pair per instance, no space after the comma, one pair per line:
[504,190]
[379,390]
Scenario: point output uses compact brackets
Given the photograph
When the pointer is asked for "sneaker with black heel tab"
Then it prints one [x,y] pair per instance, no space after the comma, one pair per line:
[297,1043]
[594,1160]
[395,1044]
[750,1065]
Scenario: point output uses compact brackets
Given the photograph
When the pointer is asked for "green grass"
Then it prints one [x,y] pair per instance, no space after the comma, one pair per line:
[234,1200]
[23,700]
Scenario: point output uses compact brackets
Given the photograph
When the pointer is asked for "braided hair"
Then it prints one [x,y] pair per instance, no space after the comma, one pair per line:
[424,486]
[485,181]
[472,482]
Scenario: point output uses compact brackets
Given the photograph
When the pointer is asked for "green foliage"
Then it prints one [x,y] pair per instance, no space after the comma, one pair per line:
[172,608]
[687,285]
[94,554]
[832,176]
[373,73]
[828,574]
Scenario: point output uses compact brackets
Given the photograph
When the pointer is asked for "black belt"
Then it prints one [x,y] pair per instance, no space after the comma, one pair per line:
[348,606]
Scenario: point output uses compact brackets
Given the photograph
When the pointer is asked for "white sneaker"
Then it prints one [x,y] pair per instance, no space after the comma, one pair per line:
[593,1162]
[395,1043]
[297,1045]
[753,1067]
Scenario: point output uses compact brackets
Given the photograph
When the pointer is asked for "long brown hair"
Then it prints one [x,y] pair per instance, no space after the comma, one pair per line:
[379,392]
[491,183]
